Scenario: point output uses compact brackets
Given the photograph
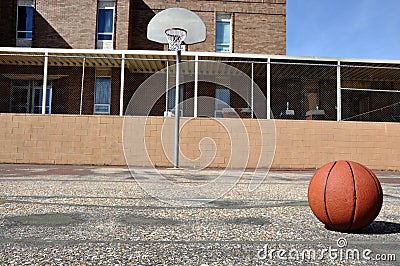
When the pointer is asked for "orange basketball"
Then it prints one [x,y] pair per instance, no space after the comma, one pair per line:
[345,195]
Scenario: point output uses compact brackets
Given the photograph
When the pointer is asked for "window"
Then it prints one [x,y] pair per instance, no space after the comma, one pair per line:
[27,95]
[222,100]
[223,34]
[171,100]
[105,24]
[102,95]
[24,22]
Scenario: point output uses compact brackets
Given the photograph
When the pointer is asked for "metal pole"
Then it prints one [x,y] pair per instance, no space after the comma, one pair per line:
[44,94]
[196,84]
[176,150]
[82,83]
[269,88]
[166,88]
[252,90]
[338,93]
[121,96]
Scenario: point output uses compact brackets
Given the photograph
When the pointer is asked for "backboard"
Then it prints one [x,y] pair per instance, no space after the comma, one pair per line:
[176,18]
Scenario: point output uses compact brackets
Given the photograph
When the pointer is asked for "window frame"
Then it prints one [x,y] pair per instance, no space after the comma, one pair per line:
[105,5]
[102,104]
[26,4]
[221,18]
[33,104]
[220,102]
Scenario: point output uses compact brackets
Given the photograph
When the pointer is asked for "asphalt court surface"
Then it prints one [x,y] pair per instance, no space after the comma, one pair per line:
[102,215]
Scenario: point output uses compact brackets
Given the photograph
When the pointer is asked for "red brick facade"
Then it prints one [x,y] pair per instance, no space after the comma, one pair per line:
[259,27]
[7,23]
[64,24]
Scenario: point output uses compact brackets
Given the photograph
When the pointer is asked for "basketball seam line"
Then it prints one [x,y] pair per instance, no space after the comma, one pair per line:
[377,186]
[326,184]
[354,197]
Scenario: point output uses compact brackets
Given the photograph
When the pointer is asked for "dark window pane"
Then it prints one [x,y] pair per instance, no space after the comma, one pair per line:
[39,98]
[106,20]
[25,18]
[102,109]
[103,91]
[223,95]
[171,97]
[19,100]
[222,48]
[104,37]
[19,96]
[24,35]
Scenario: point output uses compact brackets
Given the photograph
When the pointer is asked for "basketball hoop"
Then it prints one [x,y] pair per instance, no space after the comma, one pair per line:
[175,37]
[171,26]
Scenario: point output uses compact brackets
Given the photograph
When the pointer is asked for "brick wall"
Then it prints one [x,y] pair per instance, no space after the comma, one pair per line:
[61,139]
[259,33]
[7,23]
[259,26]
[138,34]
[122,25]
[304,144]
[5,94]
[65,24]
[209,44]
[68,139]
[67,90]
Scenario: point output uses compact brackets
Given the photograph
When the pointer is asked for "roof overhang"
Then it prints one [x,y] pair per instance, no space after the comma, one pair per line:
[149,61]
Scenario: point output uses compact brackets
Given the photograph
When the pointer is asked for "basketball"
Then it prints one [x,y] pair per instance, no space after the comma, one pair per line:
[345,195]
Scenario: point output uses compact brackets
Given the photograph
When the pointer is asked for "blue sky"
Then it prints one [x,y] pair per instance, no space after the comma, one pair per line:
[344,28]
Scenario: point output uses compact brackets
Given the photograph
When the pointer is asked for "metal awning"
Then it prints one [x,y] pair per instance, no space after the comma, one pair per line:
[147,61]
[32,76]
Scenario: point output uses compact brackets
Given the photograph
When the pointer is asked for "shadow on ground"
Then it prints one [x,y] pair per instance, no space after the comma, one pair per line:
[376,228]
[380,228]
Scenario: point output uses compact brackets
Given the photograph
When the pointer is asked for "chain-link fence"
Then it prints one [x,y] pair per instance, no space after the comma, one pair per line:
[21,84]
[370,93]
[211,86]
[304,90]
[232,89]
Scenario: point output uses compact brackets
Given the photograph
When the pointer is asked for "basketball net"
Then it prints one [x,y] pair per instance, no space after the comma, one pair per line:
[175,37]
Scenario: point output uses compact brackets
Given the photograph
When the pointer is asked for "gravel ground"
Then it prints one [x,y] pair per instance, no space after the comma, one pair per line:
[86,215]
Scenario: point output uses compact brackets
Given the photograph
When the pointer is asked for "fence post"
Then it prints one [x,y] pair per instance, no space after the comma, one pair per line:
[196,85]
[269,88]
[166,86]
[121,94]
[252,90]
[338,93]
[82,83]
[44,94]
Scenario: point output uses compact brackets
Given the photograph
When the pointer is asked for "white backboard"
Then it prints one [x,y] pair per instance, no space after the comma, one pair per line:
[176,18]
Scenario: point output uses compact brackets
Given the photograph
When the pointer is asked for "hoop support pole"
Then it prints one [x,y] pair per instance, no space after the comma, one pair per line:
[177,111]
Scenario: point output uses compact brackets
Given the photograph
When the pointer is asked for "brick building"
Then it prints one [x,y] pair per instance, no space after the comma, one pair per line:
[106,26]
[249,26]
[106,56]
